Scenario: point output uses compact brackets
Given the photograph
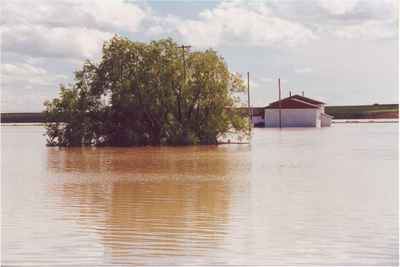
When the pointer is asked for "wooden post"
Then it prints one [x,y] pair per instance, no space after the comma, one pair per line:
[248,103]
[184,63]
[179,100]
[280,104]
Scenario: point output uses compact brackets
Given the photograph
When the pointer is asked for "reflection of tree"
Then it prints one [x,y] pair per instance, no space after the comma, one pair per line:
[149,163]
[149,201]
[168,215]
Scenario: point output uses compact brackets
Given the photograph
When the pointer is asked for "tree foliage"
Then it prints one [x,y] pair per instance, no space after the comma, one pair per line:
[146,94]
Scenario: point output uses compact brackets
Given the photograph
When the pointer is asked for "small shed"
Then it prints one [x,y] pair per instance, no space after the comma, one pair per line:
[297,111]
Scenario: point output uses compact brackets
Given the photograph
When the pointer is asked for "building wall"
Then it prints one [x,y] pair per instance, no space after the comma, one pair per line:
[293,117]
[257,120]
[326,120]
[318,115]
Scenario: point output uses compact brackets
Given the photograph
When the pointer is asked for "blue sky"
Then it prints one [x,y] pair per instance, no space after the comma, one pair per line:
[338,51]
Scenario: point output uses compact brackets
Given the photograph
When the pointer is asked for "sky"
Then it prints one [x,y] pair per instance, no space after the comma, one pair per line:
[342,52]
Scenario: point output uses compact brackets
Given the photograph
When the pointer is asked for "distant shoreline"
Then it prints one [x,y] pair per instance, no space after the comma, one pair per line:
[356,112]
[340,121]
[366,121]
[376,111]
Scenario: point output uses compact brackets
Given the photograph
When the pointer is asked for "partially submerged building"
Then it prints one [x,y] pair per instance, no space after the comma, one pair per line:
[296,111]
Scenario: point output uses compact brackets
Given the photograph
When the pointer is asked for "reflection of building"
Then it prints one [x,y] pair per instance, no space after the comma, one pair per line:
[154,202]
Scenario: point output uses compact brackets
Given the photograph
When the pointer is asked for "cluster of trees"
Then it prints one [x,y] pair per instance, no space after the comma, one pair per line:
[147,94]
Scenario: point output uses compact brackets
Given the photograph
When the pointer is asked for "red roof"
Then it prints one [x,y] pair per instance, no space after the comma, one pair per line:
[296,101]
[306,99]
[291,103]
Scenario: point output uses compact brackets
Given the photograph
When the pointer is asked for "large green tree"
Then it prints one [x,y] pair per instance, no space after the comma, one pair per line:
[147,94]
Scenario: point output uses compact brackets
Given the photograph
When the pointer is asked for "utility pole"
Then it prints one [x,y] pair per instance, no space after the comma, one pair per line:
[248,102]
[280,104]
[184,62]
[183,81]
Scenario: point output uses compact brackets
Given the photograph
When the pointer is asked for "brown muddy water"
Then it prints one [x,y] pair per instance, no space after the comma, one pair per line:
[291,197]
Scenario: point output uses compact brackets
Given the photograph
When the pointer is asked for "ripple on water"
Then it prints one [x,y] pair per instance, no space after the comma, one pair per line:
[293,197]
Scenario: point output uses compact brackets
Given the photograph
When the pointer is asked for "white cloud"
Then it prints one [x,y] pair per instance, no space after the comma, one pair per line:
[281,23]
[342,18]
[25,87]
[113,15]
[303,70]
[237,23]
[28,75]
[266,80]
[338,7]
[43,39]
[369,29]
[360,19]
[40,41]
[66,28]
[21,70]
[78,28]
[47,31]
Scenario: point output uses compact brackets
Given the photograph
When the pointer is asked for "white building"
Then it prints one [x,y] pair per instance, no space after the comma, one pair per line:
[297,111]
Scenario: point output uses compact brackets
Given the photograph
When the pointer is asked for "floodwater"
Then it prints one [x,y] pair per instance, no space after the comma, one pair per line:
[291,197]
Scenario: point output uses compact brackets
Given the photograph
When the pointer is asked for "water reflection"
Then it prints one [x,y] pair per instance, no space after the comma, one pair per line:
[149,201]
[150,163]
[299,197]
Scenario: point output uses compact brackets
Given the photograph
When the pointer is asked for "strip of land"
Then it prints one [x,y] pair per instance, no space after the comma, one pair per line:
[377,111]
[384,111]
[22,117]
